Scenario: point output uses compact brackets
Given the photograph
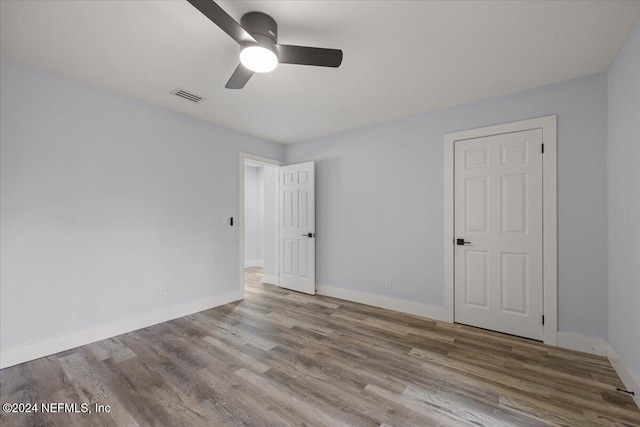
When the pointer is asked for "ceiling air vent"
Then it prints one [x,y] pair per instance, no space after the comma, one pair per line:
[188,96]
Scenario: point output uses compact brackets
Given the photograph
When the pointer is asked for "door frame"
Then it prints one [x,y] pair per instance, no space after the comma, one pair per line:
[267,162]
[548,125]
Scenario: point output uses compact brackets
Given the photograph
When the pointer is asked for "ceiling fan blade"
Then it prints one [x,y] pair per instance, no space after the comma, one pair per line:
[218,16]
[239,78]
[304,55]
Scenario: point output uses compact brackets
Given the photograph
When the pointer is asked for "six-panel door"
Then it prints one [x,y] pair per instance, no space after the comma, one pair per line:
[498,210]
[297,228]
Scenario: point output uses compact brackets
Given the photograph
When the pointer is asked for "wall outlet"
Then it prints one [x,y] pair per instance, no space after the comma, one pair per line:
[388,283]
[162,292]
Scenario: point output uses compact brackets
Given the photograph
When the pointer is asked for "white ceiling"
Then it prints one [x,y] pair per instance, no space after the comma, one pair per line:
[400,58]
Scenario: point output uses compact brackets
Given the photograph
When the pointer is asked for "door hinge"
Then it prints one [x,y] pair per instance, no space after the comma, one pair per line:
[542,148]
[543,319]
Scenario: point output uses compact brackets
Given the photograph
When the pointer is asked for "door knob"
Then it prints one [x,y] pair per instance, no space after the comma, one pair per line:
[461,242]
[309,235]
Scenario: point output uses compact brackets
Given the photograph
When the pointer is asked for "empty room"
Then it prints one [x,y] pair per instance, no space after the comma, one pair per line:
[319,213]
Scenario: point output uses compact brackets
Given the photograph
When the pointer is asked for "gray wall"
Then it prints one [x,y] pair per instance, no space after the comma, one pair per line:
[623,150]
[380,196]
[103,200]
[253,214]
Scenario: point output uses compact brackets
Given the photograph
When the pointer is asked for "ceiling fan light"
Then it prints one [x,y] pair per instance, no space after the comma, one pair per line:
[258,59]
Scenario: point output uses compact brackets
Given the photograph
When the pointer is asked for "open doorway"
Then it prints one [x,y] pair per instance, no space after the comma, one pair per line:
[276,224]
[260,223]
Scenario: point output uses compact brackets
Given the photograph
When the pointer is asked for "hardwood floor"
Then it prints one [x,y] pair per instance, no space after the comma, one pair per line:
[283,358]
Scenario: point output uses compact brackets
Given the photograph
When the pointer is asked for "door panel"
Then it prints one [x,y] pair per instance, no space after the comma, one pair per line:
[297,221]
[477,278]
[287,209]
[514,281]
[287,257]
[477,204]
[514,200]
[303,203]
[498,212]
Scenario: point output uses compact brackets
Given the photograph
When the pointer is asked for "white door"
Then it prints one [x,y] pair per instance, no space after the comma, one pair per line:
[297,228]
[498,231]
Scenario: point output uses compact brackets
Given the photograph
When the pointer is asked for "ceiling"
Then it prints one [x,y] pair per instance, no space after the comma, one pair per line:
[400,57]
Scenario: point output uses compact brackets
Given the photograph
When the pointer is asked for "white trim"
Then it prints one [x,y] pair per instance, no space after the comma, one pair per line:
[630,383]
[271,280]
[449,217]
[549,182]
[582,343]
[24,353]
[248,264]
[409,307]
[550,228]
[254,159]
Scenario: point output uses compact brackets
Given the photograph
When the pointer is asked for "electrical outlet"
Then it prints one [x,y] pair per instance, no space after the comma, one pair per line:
[388,283]
[162,292]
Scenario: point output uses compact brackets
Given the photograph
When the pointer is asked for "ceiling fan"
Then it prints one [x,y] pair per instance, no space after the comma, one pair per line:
[260,52]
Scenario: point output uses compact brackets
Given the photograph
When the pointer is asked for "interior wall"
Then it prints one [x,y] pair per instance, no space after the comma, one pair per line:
[105,199]
[623,156]
[270,181]
[254,216]
[380,199]
[108,198]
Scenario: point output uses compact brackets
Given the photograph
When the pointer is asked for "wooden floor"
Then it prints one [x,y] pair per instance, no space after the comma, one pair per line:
[284,358]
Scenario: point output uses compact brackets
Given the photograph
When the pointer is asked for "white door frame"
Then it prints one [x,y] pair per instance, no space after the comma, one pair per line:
[255,159]
[548,125]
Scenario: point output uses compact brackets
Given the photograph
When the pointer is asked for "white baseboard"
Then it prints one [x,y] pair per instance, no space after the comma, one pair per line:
[272,280]
[409,307]
[630,383]
[46,347]
[582,343]
[565,340]
[248,264]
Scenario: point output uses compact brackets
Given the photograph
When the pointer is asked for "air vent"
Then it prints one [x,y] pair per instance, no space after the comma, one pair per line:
[187,95]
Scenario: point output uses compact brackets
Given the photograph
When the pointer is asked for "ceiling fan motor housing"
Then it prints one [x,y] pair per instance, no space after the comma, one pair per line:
[263,28]
[257,35]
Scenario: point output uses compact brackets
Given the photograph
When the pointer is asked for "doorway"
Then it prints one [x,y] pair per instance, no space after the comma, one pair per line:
[500,228]
[276,223]
[260,223]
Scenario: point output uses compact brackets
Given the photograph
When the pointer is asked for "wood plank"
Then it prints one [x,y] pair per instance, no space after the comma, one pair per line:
[284,358]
